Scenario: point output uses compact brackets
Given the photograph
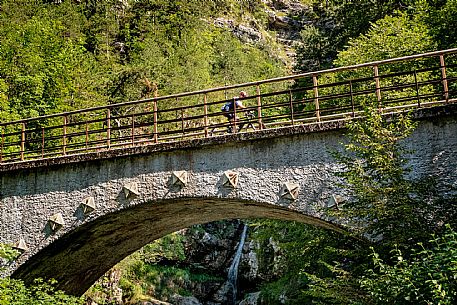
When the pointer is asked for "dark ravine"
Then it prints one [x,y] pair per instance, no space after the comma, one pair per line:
[229,256]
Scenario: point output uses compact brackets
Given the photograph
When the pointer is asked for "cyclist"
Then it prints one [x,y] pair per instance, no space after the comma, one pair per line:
[229,109]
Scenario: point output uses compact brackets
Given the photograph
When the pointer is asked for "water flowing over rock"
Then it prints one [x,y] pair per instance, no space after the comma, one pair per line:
[232,277]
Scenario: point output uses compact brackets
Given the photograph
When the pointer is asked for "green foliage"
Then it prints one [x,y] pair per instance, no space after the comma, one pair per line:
[157,270]
[334,23]
[314,53]
[61,56]
[302,259]
[142,279]
[7,252]
[14,292]
[385,203]
[169,247]
[396,35]
[442,18]
[40,60]
[389,37]
[429,276]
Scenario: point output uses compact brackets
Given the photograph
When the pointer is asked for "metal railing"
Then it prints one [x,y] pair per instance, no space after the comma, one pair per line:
[421,80]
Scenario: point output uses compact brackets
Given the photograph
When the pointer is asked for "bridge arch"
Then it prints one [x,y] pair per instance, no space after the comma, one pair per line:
[80,257]
[286,173]
[142,193]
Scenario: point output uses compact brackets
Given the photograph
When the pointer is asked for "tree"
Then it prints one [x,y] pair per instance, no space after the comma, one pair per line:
[429,276]
[304,264]
[441,19]
[384,203]
[14,292]
[334,24]
[39,61]
[7,252]
[390,37]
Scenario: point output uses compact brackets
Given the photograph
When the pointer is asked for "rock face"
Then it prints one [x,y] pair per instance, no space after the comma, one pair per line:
[244,33]
[251,299]
[284,19]
[214,245]
[211,248]
[180,300]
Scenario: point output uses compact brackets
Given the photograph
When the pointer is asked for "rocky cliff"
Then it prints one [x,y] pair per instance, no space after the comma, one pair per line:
[276,27]
[209,253]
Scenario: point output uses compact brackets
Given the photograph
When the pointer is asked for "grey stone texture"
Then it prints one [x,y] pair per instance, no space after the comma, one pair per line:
[88,244]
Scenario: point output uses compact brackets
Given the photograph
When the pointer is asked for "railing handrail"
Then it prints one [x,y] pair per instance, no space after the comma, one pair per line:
[235,86]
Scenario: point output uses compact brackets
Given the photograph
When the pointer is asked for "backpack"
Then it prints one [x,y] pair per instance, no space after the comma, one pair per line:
[226,107]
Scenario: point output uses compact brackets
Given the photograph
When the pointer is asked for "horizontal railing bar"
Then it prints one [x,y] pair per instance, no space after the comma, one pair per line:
[285,107]
[248,84]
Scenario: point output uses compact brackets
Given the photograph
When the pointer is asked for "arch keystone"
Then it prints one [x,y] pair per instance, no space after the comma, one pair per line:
[56,222]
[335,201]
[131,190]
[88,205]
[290,190]
[230,178]
[20,245]
[180,178]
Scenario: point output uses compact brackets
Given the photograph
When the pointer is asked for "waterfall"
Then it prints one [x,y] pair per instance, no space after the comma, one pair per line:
[232,275]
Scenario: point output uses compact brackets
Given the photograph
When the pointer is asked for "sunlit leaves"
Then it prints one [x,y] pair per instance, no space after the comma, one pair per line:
[14,292]
[429,276]
[390,37]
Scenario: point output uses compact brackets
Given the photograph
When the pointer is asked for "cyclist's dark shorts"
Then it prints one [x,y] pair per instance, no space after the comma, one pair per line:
[228,115]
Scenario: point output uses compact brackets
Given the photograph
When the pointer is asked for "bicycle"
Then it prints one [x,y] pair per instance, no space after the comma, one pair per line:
[242,124]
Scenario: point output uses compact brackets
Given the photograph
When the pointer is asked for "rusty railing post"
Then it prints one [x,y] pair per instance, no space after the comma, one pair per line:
[234,115]
[42,142]
[351,90]
[259,108]
[378,85]
[205,113]
[316,97]
[108,129]
[291,105]
[156,137]
[444,78]
[417,89]
[3,143]
[182,121]
[64,135]
[22,141]
[133,129]
[87,135]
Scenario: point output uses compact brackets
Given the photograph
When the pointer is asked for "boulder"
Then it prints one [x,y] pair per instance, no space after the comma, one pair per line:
[182,300]
[251,299]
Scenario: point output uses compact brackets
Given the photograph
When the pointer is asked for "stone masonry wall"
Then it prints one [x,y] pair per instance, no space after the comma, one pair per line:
[139,198]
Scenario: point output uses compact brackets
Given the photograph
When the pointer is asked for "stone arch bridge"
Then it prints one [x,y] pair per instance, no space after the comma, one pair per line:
[76,216]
